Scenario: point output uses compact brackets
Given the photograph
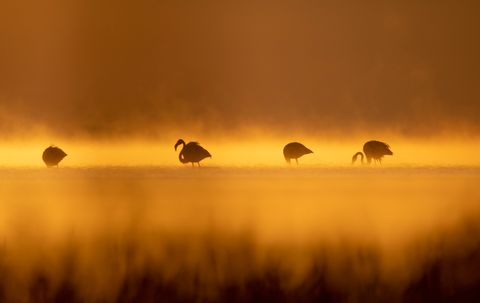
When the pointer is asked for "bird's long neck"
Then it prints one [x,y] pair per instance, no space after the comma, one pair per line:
[354,158]
[180,155]
[181,158]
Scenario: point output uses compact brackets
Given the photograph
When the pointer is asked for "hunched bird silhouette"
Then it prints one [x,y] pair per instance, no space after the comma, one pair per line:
[295,150]
[191,152]
[373,150]
[52,155]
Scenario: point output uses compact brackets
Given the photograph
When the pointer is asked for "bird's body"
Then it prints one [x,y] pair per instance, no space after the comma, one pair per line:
[373,150]
[295,150]
[53,155]
[191,152]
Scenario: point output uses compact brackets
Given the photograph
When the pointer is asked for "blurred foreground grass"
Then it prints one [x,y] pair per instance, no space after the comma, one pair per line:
[240,235]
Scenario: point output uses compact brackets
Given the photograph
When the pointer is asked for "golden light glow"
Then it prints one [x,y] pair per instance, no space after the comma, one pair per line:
[238,153]
[116,83]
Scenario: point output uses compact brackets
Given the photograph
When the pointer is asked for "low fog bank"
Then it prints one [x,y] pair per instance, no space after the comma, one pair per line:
[15,126]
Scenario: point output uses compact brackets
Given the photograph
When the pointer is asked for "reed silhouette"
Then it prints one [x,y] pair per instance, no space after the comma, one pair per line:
[191,152]
[230,270]
[53,155]
[295,150]
[373,150]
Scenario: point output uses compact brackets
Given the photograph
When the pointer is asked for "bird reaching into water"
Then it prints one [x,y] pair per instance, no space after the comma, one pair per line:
[53,155]
[373,150]
[295,150]
[191,152]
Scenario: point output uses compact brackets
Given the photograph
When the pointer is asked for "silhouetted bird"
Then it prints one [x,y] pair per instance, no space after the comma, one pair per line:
[191,152]
[295,150]
[53,155]
[373,150]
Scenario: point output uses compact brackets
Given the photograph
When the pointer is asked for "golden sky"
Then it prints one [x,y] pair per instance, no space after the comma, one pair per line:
[148,68]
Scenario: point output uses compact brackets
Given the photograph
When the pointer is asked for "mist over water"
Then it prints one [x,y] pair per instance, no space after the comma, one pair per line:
[216,234]
[240,152]
[116,83]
